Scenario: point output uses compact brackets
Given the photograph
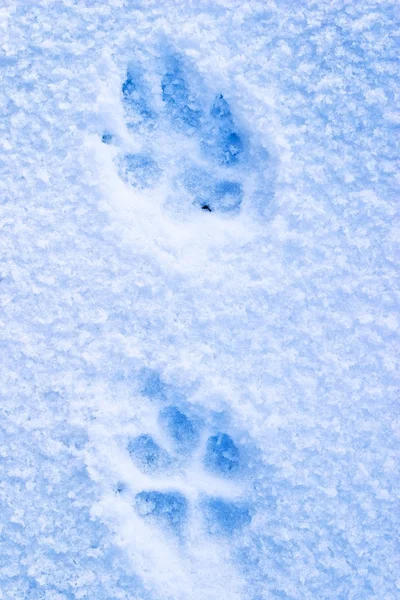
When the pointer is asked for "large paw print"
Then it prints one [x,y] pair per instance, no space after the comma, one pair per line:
[211,480]
[196,146]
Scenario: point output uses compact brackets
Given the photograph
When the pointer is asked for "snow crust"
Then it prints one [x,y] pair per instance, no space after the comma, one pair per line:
[199,322]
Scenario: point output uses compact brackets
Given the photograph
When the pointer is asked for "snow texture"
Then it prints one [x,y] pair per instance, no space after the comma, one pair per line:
[199,300]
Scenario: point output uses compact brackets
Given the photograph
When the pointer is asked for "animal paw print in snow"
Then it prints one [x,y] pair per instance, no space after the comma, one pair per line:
[207,158]
[220,464]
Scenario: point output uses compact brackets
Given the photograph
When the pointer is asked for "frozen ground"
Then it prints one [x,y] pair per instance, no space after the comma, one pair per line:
[199,300]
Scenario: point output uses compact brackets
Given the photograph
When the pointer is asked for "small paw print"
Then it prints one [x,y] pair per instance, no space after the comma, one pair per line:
[199,473]
[225,517]
[222,456]
[148,455]
[181,429]
[168,508]
[138,170]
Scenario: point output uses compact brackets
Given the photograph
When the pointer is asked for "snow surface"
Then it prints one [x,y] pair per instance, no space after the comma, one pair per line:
[199,300]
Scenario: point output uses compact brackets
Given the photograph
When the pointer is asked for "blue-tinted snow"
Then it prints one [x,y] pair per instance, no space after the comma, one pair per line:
[168,508]
[180,427]
[271,318]
[222,454]
[225,517]
[147,454]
